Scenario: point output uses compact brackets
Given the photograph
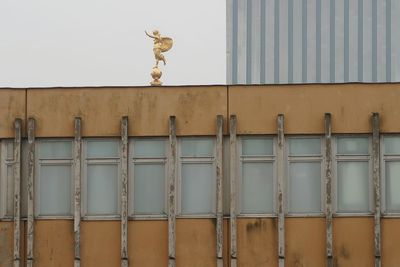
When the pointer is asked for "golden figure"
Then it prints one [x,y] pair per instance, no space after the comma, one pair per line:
[161,44]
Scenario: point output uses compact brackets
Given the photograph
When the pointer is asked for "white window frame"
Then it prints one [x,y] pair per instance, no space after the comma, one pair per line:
[256,159]
[131,177]
[181,160]
[317,158]
[383,159]
[352,158]
[100,161]
[4,187]
[52,162]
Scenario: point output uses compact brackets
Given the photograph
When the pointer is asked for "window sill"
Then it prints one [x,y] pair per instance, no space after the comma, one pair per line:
[102,218]
[349,214]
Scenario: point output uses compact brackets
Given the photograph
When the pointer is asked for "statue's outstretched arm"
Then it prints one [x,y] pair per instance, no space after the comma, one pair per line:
[151,36]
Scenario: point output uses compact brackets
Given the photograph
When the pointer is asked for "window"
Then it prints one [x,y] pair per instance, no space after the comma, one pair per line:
[102,177]
[391,173]
[353,175]
[197,176]
[304,175]
[54,184]
[7,178]
[147,177]
[257,175]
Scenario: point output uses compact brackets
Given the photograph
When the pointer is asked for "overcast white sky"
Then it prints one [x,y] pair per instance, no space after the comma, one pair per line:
[102,42]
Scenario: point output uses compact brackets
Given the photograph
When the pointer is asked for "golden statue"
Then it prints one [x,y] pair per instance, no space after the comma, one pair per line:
[161,44]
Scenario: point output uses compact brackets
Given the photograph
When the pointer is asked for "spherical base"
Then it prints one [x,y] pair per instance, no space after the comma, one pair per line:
[156,75]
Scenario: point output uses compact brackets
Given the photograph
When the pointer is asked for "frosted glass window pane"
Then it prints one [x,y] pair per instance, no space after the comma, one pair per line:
[304,146]
[197,147]
[149,148]
[257,146]
[353,186]
[258,188]
[10,150]
[352,145]
[10,191]
[55,149]
[55,190]
[149,188]
[102,149]
[102,189]
[198,186]
[305,187]
[392,145]
[393,186]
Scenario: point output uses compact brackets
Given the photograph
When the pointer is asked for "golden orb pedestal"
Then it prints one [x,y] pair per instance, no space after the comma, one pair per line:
[156,74]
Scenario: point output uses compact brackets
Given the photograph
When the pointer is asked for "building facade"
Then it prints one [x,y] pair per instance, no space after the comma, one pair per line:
[289,175]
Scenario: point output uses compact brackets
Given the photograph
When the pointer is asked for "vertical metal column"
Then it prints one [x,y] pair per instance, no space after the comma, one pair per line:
[31,192]
[219,168]
[233,152]
[17,192]
[124,195]
[328,188]
[171,191]
[77,190]
[376,174]
[281,195]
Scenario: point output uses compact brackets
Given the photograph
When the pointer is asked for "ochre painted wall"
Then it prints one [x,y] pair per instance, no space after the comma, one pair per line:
[54,243]
[351,105]
[305,242]
[148,243]
[12,106]
[353,242]
[390,242]
[195,242]
[100,243]
[148,109]
[6,244]
[257,242]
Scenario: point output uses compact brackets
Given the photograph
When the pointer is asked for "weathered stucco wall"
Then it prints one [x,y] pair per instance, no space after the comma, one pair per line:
[304,106]
[148,109]
[54,243]
[305,242]
[12,106]
[100,243]
[6,244]
[353,242]
[257,242]
[390,242]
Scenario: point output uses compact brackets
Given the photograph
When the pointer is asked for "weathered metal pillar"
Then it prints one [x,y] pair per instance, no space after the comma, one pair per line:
[17,192]
[77,190]
[281,195]
[171,191]
[376,174]
[219,168]
[124,195]
[328,189]
[31,192]
[233,157]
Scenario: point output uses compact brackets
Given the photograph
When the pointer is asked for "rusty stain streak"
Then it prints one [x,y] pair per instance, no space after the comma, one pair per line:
[31,178]
[77,190]
[377,189]
[17,191]
[233,157]
[328,188]
[219,160]
[124,195]
[171,191]
[281,199]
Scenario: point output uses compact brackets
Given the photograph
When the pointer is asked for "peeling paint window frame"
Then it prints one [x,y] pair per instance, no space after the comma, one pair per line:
[141,160]
[385,158]
[352,158]
[107,161]
[39,162]
[201,160]
[5,188]
[317,158]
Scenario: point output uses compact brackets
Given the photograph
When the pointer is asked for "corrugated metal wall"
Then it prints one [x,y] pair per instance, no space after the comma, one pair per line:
[313,41]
